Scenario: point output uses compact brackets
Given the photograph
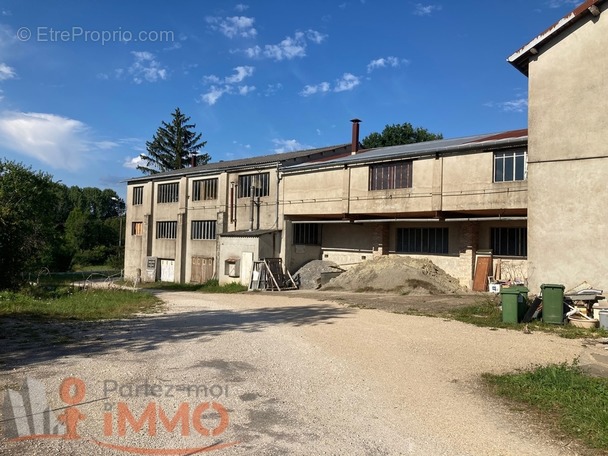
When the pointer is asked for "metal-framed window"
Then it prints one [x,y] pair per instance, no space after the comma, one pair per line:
[254,184]
[166,230]
[137,228]
[203,229]
[306,233]
[138,195]
[204,189]
[510,166]
[509,241]
[422,240]
[387,176]
[168,193]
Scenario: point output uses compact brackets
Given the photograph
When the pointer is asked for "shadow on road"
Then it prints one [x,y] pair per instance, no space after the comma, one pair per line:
[27,343]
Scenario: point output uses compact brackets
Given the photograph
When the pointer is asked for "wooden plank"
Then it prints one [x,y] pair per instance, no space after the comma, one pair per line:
[483,269]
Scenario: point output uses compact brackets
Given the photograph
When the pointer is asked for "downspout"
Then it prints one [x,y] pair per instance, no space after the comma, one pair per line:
[252,190]
[276,220]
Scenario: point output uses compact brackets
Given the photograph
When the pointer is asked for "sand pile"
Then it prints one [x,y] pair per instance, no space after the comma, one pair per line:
[393,274]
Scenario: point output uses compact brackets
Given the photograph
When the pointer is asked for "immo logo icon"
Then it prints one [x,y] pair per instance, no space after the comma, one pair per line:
[27,415]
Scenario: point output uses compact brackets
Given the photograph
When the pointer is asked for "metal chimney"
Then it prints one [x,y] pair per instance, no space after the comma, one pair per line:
[355,144]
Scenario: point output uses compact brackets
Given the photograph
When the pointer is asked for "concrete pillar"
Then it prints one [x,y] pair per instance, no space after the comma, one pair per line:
[468,249]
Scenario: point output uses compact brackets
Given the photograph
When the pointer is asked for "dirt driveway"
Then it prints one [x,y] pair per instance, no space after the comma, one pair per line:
[287,375]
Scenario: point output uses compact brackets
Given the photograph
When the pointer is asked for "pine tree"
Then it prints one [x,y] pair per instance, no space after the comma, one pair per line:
[173,146]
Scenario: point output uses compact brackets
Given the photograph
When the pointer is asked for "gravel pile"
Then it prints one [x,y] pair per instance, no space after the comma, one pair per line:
[311,273]
[394,274]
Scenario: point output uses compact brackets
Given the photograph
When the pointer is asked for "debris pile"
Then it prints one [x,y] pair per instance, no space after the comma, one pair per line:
[311,275]
[403,275]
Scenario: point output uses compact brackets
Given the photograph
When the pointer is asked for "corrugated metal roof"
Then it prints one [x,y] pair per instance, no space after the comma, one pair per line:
[245,163]
[521,58]
[442,146]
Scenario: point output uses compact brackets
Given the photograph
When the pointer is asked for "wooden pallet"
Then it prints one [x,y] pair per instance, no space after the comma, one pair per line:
[268,275]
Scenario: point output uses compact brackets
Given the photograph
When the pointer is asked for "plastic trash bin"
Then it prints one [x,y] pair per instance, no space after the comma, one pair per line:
[514,303]
[553,303]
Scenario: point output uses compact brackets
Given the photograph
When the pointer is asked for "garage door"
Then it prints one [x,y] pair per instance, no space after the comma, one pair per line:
[202,269]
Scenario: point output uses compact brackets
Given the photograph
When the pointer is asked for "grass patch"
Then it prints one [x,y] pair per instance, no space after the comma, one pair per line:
[566,398]
[79,305]
[211,286]
[488,314]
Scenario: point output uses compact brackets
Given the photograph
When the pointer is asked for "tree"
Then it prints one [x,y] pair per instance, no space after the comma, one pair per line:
[173,146]
[27,216]
[394,135]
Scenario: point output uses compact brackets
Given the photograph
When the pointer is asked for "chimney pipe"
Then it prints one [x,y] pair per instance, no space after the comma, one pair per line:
[355,144]
[193,156]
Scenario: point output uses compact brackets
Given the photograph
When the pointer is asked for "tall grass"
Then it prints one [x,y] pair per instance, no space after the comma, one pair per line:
[565,396]
[66,304]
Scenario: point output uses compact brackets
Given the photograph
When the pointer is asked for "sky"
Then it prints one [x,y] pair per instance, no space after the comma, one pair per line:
[84,84]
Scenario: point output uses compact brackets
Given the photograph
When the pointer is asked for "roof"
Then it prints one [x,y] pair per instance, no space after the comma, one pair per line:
[521,58]
[283,159]
[466,144]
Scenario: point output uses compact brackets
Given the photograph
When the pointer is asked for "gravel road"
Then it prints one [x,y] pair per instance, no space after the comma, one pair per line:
[292,376]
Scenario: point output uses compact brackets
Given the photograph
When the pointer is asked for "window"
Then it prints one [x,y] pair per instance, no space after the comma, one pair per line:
[137,228]
[205,189]
[166,230]
[390,175]
[260,182]
[138,196]
[422,240]
[510,241]
[306,233]
[510,166]
[203,229]
[168,193]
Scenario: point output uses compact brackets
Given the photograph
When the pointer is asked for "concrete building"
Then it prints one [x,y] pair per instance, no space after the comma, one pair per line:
[177,222]
[445,200]
[568,149]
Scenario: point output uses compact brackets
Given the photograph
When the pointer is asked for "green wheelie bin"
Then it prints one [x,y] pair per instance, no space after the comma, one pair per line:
[514,303]
[553,303]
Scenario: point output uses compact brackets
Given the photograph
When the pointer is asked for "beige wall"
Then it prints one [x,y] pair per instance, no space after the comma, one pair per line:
[568,158]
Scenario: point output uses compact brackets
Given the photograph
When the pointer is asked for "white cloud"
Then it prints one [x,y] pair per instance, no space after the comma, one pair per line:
[59,142]
[214,94]
[7,13]
[348,81]
[242,72]
[6,72]
[288,145]
[145,67]
[316,88]
[315,37]
[227,85]
[425,10]
[384,62]
[271,89]
[289,48]
[133,162]
[244,90]
[516,105]
[241,7]
[235,26]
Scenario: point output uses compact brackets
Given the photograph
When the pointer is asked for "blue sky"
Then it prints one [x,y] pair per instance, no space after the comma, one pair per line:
[84,84]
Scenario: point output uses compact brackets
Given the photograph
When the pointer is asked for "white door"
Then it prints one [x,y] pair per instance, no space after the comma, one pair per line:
[246,267]
[167,270]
